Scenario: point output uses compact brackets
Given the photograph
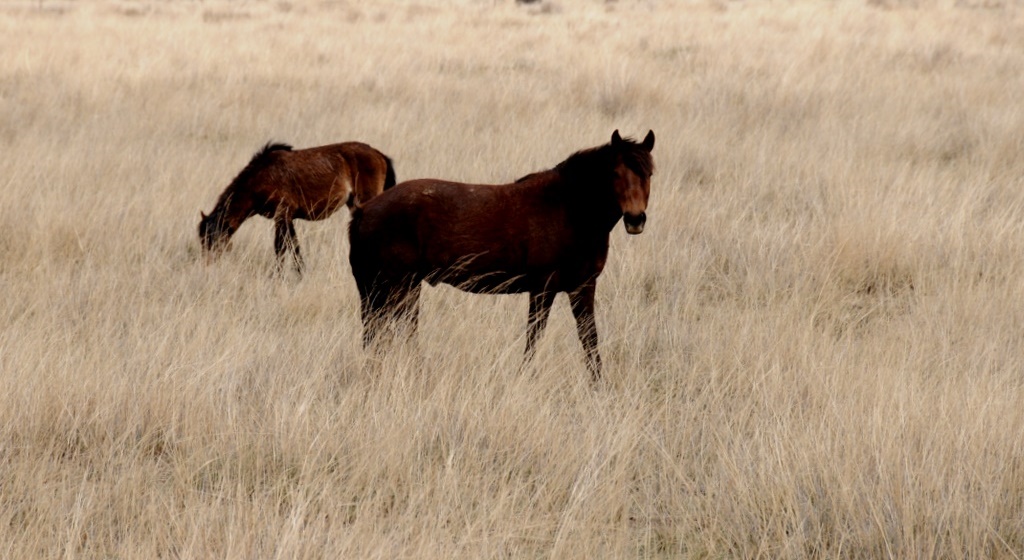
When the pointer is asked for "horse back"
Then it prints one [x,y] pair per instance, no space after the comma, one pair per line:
[315,182]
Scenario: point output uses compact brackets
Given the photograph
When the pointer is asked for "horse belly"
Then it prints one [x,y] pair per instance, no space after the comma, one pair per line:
[322,208]
[475,267]
[485,283]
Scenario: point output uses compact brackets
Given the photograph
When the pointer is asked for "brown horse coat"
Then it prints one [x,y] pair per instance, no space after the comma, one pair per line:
[283,184]
[544,234]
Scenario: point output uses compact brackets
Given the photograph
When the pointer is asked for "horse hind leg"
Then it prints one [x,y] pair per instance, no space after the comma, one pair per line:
[407,308]
[373,310]
[387,309]
[371,317]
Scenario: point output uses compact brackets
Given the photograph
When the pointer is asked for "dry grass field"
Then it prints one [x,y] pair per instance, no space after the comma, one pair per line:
[815,350]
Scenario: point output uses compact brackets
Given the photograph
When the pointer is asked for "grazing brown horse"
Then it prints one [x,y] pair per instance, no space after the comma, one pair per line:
[285,185]
[546,233]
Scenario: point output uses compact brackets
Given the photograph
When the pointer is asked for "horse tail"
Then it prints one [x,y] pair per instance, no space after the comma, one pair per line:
[389,175]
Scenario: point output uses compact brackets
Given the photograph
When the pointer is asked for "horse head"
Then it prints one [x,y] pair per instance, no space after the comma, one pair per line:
[214,233]
[632,182]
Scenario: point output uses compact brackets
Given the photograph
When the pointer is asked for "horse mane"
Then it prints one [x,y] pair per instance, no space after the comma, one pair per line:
[594,163]
[271,147]
[259,162]
[525,178]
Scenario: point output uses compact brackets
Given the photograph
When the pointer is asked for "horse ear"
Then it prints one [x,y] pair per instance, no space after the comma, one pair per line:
[616,139]
[649,141]
[202,215]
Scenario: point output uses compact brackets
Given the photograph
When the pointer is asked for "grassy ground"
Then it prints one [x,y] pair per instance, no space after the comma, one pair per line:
[814,350]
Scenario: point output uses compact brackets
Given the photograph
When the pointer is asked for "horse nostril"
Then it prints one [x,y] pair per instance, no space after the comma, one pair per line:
[635,219]
[634,222]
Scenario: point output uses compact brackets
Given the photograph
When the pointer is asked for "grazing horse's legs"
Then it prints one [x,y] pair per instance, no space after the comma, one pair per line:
[540,308]
[582,302]
[286,240]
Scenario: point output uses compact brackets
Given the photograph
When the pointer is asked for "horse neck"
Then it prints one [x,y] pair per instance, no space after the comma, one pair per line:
[590,201]
[231,210]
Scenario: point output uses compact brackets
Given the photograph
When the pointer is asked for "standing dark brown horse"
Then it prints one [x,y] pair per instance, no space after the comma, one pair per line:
[285,185]
[546,233]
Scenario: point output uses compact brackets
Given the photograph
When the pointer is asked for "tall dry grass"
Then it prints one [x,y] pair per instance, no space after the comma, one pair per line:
[815,350]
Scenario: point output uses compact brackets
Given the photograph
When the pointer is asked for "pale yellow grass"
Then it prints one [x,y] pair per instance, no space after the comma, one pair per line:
[815,350]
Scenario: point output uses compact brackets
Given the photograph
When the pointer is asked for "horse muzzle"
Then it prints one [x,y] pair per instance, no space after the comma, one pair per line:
[634,222]
[212,250]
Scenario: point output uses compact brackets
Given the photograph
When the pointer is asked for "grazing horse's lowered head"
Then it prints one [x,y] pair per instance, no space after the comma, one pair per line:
[214,234]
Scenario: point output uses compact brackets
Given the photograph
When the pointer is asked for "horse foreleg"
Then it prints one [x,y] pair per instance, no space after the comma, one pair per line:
[582,302]
[540,309]
[300,264]
[285,241]
[280,240]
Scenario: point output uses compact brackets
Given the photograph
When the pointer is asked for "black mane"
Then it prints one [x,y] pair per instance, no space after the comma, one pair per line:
[258,162]
[525,178]
[593,163]
[596,163]
[270,147]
